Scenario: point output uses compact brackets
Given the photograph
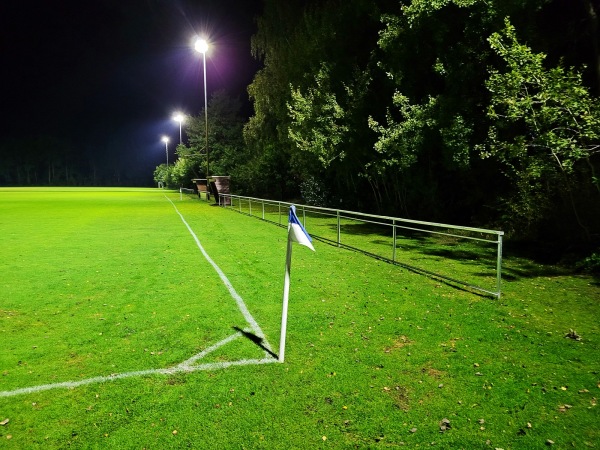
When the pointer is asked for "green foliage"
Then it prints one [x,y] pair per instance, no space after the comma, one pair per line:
[309,97]
[315,192]
[225,141]
[418,8]
[590,264]
[387,102]
[400,141]
[318,124]
[186,167]
[161,174]
[544,123]
[457,139]
[555,113]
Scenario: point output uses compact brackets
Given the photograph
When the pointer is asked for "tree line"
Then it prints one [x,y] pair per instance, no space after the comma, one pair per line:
[462,111]
[50,161]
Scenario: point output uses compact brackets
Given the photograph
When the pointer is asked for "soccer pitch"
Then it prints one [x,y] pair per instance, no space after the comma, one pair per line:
[136,318]
[106,282]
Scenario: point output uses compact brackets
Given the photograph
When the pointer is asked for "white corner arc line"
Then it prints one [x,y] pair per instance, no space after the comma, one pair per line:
[188,363]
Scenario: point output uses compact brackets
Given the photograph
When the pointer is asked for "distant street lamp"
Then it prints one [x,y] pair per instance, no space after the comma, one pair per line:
[179,117]
[165,139]
[201,46]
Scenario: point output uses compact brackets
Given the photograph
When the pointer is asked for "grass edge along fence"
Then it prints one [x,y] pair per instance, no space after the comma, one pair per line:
[277,211]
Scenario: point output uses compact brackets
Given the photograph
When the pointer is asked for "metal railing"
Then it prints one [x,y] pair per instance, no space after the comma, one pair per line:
[444,248]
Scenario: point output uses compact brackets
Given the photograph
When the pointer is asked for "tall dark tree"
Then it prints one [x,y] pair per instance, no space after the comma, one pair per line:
[226,149]
[386,105]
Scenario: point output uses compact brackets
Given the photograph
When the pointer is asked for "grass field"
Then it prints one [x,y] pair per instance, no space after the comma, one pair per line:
[116,332]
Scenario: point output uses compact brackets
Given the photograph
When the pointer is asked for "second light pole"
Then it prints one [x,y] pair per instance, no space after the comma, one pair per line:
[179,117]
[165,139]
[202,46]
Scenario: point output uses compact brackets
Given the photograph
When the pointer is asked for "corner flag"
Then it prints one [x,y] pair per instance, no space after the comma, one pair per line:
[296,233]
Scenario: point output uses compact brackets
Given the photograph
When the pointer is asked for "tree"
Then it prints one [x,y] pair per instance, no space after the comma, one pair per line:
[226,150]
[545,125]
[317,120]
[384,104]
[161,175]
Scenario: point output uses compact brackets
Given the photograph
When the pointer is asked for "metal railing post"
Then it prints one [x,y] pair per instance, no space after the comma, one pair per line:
[339,229]
[499,267]
[394,240]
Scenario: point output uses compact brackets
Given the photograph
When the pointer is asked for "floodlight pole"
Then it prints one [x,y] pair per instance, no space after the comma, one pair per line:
[201,45]
[165,139]
[178,117]
[205,112]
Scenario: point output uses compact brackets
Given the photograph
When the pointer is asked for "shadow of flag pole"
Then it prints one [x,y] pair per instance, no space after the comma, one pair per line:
[296,233]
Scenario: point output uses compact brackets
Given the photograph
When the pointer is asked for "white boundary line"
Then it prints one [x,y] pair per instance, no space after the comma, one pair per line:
[234,294]
[185,366]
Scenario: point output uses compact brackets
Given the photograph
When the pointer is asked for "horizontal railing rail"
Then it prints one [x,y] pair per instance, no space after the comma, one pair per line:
[330,225]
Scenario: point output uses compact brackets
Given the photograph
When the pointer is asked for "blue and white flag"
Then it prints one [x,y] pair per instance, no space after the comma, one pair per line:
[296,231]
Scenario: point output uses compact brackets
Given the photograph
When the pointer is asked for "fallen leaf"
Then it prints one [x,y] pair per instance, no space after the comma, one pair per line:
[413,430]
[572,334]
[4,422]
[444,425]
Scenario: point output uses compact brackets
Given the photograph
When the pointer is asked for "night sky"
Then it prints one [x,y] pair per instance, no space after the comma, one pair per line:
[110,73]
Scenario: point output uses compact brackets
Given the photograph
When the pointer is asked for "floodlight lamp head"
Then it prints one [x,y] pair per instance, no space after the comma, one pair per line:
[165,139]
[178,117]
[201,45]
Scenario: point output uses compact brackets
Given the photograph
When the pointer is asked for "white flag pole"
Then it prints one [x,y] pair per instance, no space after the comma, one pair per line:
[286,294]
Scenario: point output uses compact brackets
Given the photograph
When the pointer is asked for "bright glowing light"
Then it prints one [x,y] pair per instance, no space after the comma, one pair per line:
[165,139]
[201,45]
[178,117]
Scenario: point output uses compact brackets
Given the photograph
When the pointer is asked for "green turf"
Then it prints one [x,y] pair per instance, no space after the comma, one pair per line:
[98,282]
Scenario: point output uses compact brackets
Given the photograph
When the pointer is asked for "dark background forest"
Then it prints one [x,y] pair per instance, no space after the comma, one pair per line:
[473,112]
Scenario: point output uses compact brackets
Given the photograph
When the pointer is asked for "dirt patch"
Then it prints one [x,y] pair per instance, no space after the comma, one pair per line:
[400,342]
[399,395]
[434,373]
